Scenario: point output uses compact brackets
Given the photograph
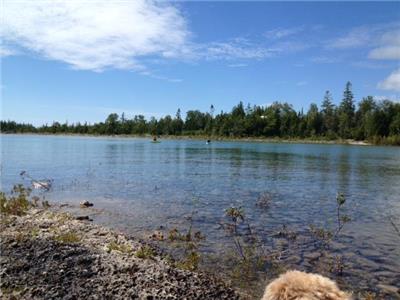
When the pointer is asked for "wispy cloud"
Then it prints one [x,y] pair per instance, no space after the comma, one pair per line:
[394,98]
[325,59]
[370,65]
[301,83]
[279,33]
[356,37]
[382,39]
[389,47]
[96,35]
[392,82]
[235,49]
[383,43]
[237,65]
[6,51]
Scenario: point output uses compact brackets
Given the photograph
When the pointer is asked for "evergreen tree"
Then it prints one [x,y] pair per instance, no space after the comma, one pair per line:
[346,112]
[328,114]
[313,120]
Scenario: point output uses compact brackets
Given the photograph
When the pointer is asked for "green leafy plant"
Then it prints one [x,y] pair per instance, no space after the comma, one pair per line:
[17,203]
[323,237]
[145,252]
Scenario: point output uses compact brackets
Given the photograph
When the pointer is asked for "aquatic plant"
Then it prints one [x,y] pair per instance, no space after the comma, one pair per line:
[396,229]
[264,200]
[324,236]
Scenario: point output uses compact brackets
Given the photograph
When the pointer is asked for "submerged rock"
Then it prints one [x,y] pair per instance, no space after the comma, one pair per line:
[85,204]
[83,218]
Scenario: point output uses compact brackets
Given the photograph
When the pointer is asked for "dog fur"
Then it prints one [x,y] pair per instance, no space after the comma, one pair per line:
[296,285]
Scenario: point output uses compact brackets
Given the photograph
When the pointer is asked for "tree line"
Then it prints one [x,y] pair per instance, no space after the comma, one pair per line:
[374,121]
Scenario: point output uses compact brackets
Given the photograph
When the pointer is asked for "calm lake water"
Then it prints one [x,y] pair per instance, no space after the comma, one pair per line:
[142,185]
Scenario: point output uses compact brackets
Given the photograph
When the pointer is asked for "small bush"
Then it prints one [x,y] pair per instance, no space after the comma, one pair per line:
[17,203]
[123,248]
[190,262]
[68,238]
[145,252]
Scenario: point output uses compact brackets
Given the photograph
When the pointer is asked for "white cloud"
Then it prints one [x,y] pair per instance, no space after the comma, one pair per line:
[6,51]
[392,82]
[393,98]
[370,65]
[382,39]
[357,37]
[95,35]
[389,46]
[235,49]
[279,33]
[237,65]
[325,59]
[301,83]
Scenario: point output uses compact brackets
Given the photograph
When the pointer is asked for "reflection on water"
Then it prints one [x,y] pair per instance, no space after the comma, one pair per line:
[147,184]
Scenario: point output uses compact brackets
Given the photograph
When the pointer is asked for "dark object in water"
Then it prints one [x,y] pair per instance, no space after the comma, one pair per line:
[86,204]
[208,142]
[83,218]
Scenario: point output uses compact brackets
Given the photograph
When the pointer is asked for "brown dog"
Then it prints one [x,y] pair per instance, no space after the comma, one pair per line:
[296,285]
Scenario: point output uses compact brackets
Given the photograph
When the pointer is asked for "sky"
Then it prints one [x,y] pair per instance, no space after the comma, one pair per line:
[81,60]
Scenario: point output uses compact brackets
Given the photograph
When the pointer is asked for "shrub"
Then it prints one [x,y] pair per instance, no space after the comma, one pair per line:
[124,248]
[145,252]
[17,203]
[68,238]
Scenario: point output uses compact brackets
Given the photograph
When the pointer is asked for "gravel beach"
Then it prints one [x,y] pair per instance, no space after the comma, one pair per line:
[51,255]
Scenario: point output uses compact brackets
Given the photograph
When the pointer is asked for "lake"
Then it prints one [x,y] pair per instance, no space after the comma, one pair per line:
[141,185]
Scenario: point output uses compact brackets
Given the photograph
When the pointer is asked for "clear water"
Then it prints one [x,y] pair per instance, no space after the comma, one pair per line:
[142,185]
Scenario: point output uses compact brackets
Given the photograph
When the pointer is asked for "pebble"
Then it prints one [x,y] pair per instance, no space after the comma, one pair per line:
[47,269]
[83,218]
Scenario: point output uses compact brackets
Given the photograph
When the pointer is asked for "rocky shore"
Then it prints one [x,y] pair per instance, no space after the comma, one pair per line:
[52,255]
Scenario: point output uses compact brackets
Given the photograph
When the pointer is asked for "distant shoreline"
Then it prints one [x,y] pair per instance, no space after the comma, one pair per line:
[220,139]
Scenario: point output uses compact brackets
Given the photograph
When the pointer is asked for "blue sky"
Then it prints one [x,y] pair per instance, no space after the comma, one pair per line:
[80,61]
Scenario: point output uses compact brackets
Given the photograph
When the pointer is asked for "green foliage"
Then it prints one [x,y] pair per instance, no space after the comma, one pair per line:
[235,213]
[145,252]
[68,238]
[323,237]
[377,122]
[189,262]
[17,203]
[123,248]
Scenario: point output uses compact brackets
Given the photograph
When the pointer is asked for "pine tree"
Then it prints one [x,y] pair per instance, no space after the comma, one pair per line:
[346,112]
[328,115]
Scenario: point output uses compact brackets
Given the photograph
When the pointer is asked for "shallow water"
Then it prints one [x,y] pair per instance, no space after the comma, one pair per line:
[143,185]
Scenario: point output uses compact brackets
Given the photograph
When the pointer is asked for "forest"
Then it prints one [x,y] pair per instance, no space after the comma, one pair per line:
[377,122]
